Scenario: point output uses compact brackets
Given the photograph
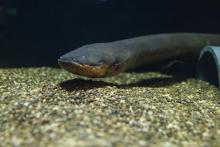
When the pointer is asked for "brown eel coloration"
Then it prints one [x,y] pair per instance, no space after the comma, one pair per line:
[108,59]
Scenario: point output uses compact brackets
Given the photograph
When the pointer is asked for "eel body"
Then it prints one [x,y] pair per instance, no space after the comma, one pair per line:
[108,59]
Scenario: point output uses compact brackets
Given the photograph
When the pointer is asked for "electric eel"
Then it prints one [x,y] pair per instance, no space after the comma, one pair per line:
[108,59]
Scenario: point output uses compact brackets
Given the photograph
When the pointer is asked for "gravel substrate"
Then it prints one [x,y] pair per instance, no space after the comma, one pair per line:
[51,107]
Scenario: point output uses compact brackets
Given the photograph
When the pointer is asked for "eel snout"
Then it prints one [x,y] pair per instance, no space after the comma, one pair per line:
[84,69]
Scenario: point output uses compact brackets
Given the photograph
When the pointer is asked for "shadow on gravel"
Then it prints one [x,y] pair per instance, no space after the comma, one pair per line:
[82,84]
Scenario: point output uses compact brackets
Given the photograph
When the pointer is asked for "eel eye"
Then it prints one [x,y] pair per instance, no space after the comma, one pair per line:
[74,59]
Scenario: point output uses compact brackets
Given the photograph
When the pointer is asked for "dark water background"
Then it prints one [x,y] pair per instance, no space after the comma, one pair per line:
[41,30]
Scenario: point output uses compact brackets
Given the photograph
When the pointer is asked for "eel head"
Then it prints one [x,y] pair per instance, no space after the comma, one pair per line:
[94,60]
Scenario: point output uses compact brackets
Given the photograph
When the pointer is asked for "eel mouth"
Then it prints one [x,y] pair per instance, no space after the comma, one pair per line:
[94,71]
